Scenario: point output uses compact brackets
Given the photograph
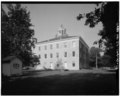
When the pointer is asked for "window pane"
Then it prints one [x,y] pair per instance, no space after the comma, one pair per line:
[65,65]
[39,56]
[65,44]
[73,64]
[45,47]
[16,66]
[57,55]
[39,48]
[65,55]
[51,65]
[45,55]
[73,53]
[74,43]
[57,45]
[51,55]
[51,46]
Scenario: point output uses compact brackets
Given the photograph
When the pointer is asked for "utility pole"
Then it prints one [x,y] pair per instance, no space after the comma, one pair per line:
[96,61]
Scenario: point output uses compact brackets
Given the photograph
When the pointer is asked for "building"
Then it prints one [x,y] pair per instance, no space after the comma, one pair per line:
[11,65]
[69,51]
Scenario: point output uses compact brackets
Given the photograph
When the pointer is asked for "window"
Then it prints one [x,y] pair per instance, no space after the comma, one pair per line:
[51,46]
[57,55]
[39,48]
[51,65]
[57,65]
[73,64]
[15,65]
[65,44]
[45,55]
[39,56]
[74,43]
[57,45]
[51,55]
[45,47]
[73,53]
[65,65]
[65,55]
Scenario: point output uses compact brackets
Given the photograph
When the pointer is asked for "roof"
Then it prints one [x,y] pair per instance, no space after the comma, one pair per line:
[57,38]
[83,41]
[9,58]
[63,38]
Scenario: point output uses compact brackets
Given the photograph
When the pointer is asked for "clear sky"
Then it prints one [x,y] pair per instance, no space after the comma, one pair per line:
[47,18]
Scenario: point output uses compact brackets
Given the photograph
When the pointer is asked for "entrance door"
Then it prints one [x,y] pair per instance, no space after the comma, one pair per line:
[51,65]
[65,65]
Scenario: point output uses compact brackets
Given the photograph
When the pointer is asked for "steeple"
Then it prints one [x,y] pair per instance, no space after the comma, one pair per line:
[61,31]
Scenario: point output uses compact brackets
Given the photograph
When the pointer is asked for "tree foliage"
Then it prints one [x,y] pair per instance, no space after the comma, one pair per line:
[105,61]
[17,33]
[59,65]
[108,14]
[93,52]
[102,60]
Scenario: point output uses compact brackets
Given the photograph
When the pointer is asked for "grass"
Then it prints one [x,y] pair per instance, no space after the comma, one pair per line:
[63,83]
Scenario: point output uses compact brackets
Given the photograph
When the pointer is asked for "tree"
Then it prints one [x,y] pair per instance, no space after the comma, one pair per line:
[17,33]
[105,61]
[35,60]
[93,52]
[102,61]
[59,65]
[108,14]
[5,42]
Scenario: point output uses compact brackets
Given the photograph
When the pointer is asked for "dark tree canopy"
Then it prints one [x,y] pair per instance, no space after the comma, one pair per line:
[108,14]
[16,33]
[102,60]
[92,56]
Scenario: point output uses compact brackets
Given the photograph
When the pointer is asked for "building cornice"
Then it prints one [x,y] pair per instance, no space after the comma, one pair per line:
[63,39]
[60,39]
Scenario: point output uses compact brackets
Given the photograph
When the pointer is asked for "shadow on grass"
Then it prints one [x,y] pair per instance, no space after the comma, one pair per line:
[71,84]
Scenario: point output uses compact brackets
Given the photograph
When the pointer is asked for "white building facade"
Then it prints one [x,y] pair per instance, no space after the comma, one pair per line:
[70,51]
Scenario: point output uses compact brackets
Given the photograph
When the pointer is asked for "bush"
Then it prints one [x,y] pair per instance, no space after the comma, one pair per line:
[59,65]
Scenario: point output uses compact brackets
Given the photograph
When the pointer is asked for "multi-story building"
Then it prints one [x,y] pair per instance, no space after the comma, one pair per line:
[70,51]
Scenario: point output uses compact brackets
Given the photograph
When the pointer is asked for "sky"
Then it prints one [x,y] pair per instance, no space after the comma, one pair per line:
[47,19]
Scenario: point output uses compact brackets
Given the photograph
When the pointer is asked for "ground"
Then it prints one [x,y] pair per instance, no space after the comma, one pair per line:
[82,82]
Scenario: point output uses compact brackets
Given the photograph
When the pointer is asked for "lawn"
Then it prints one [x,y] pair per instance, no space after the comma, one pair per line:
[62,83]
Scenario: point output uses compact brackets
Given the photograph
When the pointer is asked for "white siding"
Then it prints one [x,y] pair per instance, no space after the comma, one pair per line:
[61,50]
